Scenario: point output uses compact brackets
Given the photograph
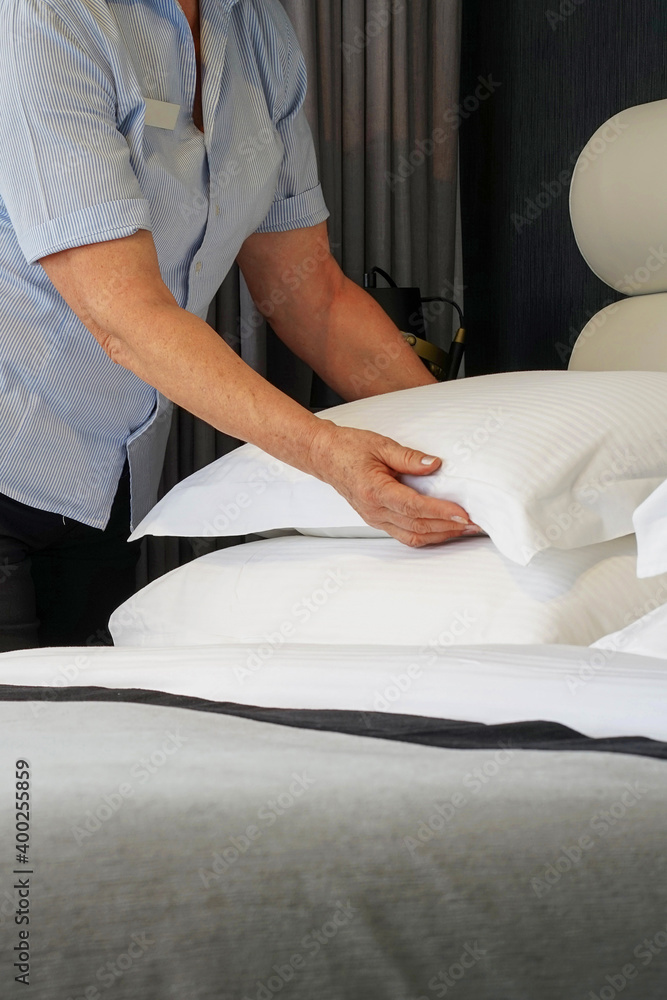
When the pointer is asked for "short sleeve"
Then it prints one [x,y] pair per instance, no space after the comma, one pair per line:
[69,180]
[298,200]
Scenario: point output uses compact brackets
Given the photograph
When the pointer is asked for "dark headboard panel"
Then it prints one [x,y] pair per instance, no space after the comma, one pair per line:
[564,67]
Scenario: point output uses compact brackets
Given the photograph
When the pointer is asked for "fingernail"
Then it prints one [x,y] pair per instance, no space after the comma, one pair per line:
[428,461]
[473,529]
[461,520]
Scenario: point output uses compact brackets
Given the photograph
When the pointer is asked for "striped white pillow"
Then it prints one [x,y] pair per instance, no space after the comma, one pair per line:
[538,459]
[379,592]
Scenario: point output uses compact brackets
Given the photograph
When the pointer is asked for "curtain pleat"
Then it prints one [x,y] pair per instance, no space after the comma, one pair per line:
[383,83]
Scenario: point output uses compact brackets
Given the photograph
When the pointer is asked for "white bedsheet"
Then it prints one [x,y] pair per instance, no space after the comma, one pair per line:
[598,692]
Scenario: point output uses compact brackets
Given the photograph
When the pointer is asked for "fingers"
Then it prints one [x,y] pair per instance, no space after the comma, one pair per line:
[417,540]
[420,533]
[414,519]
[425,526]
[404,500]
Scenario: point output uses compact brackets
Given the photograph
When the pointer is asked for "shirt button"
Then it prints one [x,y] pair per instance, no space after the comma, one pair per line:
[198,267]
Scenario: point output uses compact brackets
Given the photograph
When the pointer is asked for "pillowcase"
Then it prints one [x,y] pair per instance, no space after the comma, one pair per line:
[650,521]
[537,459]
[378,591]
[647,636]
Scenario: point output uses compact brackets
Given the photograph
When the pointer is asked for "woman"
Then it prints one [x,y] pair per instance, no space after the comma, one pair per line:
[148,145]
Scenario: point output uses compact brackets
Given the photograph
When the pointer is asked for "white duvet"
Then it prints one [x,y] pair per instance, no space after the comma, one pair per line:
[600,693]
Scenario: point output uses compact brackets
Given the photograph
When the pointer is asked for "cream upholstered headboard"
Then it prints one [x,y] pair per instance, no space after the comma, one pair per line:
[626,336]
[618,207]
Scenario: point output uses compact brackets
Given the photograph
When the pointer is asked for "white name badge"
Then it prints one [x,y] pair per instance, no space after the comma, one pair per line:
[160,114]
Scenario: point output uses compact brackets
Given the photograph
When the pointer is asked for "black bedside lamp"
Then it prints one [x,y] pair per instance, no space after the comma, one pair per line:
[404,307]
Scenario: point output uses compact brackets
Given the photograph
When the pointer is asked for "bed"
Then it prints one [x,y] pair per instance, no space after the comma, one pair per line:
[217,813]
[197,835]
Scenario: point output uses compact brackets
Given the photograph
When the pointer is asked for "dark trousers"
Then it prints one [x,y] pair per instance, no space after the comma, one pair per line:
[60,579]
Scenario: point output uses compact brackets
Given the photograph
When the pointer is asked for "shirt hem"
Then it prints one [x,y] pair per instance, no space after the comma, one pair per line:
[64,510]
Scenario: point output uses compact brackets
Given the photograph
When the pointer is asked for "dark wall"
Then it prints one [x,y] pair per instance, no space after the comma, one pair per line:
[559,70]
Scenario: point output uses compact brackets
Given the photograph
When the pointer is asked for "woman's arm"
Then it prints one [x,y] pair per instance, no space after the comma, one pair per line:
[115,288]
[326,319]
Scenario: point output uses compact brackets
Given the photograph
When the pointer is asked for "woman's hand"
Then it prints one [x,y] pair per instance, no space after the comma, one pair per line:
[364,468]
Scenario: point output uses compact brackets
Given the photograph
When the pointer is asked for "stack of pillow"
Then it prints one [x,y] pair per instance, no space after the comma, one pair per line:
[552,465]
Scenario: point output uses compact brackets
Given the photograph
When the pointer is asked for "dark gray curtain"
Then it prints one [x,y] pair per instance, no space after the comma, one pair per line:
[383,107]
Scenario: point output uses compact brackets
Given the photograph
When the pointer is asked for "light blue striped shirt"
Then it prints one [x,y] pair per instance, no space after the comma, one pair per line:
[84,160]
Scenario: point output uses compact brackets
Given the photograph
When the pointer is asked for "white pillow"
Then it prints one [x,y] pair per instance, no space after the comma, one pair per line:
[378,591]
[650,521]
[647,636]
[537,459]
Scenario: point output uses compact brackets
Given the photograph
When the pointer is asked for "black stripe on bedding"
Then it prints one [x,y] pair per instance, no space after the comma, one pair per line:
[445,733]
